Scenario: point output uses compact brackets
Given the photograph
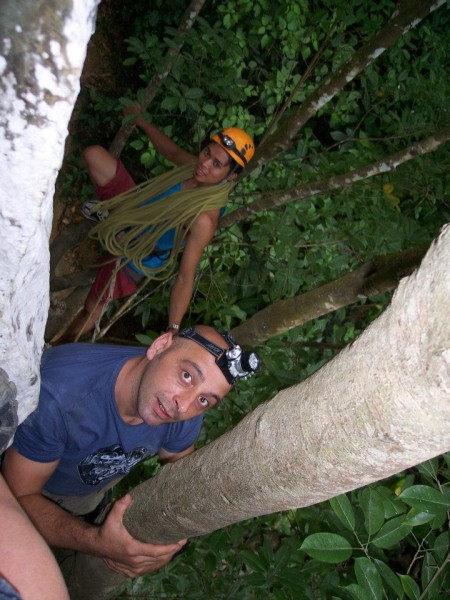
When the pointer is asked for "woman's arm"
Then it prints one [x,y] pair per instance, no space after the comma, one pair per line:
[200,235]
[163,144]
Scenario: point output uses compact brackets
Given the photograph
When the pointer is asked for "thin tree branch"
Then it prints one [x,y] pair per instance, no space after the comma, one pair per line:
[152,88]
[282,197]
[406,16]
[280,112]
[370,279]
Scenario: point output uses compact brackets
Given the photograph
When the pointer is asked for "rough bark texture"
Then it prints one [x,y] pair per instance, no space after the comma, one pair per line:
[406,16]
[382,405]
[370,279]
[390,163]
[42,49]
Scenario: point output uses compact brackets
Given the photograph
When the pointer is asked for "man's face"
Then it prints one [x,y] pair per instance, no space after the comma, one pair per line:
[180,383]
[212,165]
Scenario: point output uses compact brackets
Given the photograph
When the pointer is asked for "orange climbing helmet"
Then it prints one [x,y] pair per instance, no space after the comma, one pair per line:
[237,143]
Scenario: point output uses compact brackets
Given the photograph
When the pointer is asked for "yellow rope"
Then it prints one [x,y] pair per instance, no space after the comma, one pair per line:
[133,227]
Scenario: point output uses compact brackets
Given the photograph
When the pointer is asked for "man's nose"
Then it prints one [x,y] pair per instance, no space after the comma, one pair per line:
[183,402]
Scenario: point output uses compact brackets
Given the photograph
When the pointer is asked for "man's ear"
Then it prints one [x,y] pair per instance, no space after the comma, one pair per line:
[161,343]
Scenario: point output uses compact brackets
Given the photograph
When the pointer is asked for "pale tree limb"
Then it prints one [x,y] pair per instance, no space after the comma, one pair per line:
[379,407]
[282,197]
[407,15]
[370,279]
[154,85]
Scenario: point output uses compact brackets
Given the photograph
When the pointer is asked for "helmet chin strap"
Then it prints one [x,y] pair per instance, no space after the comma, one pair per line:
[234,363]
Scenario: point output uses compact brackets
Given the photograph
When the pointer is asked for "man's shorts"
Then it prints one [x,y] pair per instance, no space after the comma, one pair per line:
[124,285]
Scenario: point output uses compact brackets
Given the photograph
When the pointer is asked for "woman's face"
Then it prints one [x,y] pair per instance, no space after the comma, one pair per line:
[212,165]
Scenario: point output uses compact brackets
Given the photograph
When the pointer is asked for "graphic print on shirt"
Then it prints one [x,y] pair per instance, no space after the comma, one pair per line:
[109,462]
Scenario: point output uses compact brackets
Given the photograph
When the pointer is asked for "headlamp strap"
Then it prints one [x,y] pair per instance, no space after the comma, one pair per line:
[191,334]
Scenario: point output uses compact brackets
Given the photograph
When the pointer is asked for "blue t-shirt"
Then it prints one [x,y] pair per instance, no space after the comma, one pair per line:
[77,421]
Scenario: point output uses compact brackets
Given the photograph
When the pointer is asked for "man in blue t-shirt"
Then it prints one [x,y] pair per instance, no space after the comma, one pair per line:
[103,409]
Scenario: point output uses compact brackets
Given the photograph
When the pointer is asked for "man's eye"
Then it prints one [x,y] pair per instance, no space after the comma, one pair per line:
[186,376]
[203,401]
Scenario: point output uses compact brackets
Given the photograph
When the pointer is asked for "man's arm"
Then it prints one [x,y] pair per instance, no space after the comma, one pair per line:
[163,144]
[200,235]
[111,540]
[27,562]
[168,457]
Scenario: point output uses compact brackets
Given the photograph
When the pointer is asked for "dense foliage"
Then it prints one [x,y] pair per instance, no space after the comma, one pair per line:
[248,63]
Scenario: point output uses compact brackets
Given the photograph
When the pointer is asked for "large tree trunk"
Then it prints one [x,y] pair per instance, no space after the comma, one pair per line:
[42,52]
[382,405]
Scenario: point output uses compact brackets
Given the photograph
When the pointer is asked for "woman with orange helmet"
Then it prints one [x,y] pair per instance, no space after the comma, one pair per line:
[142,233]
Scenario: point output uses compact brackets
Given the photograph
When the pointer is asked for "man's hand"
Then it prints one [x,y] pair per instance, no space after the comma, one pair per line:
[126,555]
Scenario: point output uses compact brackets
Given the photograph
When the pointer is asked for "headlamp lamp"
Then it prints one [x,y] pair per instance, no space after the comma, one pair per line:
[234,363]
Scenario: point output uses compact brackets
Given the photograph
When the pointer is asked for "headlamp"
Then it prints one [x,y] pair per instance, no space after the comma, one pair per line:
[230,144]
[234,363]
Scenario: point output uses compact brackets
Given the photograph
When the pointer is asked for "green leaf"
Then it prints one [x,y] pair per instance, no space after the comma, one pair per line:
[169,103]
[209,109]
[327,547]
[137,144]
[343,509]
[194,93]
[368,577]
[441,546]
[144,339]
[283,554]
[358,592]
[338,136]
[417,517]
[429,568]
[372,506]
[392,532]
[429,468]
[411,588]
[390,578]
[392,505]
[425,498]
[253,561]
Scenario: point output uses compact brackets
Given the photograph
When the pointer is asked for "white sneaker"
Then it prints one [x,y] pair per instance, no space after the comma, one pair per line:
[88,211]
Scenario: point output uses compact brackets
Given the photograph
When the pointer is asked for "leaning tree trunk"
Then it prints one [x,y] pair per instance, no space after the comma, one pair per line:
[376,276]
[382,405]
[42,53]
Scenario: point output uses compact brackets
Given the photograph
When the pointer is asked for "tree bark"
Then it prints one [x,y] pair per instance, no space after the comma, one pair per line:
[152,88]
[281,197]
[407,15]
[370,279]
[381,406]
[42,50]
